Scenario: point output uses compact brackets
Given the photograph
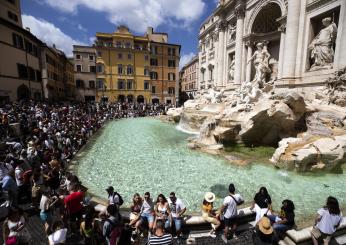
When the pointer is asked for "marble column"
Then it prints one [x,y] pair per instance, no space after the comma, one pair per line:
[240,13]
[248,65]
[282,29]
[291,39]
[220,56]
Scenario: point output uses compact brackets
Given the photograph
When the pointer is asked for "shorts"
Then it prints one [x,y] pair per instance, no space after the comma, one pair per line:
[315,232]
[210,219]
[147,218]
[177,223]
[133,216]
[46,216]
[231,221]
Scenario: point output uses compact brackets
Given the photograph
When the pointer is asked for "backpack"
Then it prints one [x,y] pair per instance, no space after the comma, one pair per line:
[121,201]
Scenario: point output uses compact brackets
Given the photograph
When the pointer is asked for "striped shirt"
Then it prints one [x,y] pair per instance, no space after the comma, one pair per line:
[160,240]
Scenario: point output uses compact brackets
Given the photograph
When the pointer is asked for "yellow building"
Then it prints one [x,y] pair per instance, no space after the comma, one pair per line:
[136,68]
[122,66]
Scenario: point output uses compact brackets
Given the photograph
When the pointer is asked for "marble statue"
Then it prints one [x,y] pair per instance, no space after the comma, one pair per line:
[232,33]
[321,47]
[214,96]
[231,69]
[261,62]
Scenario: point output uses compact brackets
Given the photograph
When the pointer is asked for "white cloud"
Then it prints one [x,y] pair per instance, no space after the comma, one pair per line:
[185,58]
[50,34]
[81,28]
[138,14]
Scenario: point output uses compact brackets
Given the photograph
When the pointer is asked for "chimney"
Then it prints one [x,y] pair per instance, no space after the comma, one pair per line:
[150,30]
[54,45]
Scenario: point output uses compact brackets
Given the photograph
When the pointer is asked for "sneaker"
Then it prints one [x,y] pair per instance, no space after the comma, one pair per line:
[213,235]
[224,239]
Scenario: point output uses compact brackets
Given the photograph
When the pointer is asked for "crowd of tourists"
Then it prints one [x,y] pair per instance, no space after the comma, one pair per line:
[33,172]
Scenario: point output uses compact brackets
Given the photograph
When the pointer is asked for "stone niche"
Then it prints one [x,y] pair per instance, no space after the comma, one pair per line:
[230,66]
[317,26]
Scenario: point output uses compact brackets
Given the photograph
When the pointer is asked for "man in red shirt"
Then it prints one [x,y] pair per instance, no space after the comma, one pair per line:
[73,204]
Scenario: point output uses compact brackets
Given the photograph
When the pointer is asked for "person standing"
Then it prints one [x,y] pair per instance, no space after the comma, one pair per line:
[328,219]
[114,197]
[229,209]
[177,208]
[261,203]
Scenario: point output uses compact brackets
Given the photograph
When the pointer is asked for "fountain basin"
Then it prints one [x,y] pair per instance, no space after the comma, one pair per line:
[144,154]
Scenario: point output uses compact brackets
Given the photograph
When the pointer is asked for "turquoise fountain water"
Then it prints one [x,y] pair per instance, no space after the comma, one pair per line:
[139,155]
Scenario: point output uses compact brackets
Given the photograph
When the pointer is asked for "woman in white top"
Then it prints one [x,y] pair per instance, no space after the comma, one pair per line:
[328,219]
[162,210]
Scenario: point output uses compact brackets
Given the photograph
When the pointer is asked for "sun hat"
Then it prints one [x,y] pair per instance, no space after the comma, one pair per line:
[209,197]
[264,226]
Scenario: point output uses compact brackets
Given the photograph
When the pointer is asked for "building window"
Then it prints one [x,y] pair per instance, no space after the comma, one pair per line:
[100,84]
[28,46]
[120,69]
[12,16]
[153,75]
[79,68]
[99,68]
[91,57]
[78,57]
[146,71]
[129,56]
[121,84]
[34,50]
[17,41]
[38,76]
[118,44]
[128,45]
[146,57]
[171,76]
[171,51]
[92,69]
[79,83]
[153,50]
[153,89]
[99,53]
[32,76]
[120,56]
[153,62]
[171,90]
[129,70]
[92,84]
[146,85]
[22,71]
[129,84]
[171,63]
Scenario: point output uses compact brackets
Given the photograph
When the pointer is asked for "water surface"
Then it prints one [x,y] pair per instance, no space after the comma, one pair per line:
[139,155]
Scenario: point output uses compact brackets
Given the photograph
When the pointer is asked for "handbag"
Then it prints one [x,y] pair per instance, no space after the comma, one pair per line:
[11,240]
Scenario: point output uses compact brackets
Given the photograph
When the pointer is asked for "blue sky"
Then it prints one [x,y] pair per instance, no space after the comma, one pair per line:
[68,22]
